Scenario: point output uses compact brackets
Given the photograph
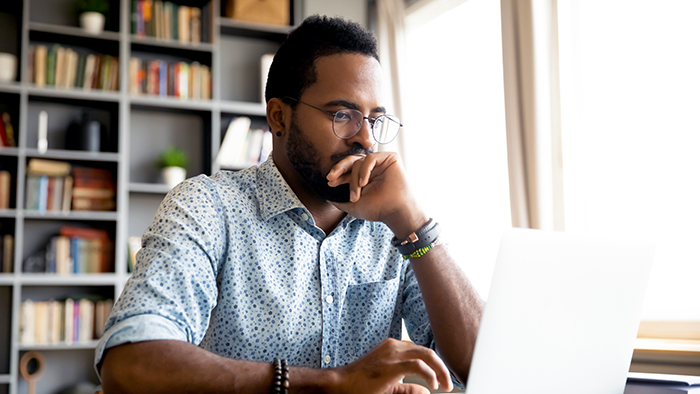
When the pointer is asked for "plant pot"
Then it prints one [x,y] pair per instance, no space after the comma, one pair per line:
[92,22]
[172,176]
[8,67]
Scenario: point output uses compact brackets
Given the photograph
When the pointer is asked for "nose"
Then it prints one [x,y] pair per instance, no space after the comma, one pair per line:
[364,136]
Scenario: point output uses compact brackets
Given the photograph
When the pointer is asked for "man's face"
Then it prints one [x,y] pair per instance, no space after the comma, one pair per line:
[346,81]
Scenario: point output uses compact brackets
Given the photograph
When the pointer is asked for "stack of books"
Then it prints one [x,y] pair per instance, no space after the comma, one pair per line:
[49,186]
[79,250]
[169,21]
[7,132]
[177,79]
[93,189]
[65,68]
[56,186]
[74,320]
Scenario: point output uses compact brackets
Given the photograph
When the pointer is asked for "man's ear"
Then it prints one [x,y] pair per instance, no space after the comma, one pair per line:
[278,116]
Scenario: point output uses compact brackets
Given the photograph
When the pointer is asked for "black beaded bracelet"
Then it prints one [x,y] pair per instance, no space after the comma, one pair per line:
[280,377]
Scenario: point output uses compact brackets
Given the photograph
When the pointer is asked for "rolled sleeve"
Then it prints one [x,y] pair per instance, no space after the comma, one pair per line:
[173,289]
[136,329]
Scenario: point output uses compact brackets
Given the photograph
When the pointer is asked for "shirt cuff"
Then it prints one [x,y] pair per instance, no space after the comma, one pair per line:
[136,329]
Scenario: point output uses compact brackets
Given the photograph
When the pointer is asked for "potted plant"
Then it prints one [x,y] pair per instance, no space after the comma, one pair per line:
[173,162]
[92,14]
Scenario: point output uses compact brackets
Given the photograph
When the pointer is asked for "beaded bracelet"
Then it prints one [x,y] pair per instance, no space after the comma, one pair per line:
[422,251]
[280,379]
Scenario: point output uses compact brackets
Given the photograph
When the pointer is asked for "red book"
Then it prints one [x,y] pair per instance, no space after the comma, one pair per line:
[49,195]
[176,79]
[3,137]
[84,232]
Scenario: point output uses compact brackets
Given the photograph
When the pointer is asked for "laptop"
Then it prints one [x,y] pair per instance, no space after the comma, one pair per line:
[561,316]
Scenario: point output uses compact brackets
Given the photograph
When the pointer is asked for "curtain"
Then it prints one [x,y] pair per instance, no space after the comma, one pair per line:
[531,83]
[392,47]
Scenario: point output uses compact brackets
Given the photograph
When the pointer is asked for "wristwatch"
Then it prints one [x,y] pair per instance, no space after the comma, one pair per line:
[422,238]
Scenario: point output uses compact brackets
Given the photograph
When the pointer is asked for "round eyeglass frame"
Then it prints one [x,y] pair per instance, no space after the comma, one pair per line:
[372,121]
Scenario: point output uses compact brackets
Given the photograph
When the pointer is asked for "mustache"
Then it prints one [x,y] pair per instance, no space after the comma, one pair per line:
[356,149]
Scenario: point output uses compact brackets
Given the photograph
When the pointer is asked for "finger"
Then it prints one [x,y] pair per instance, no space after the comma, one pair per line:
[368,165]
[434,362]
[420,368]
[409,388]
[355,188]
[343,166]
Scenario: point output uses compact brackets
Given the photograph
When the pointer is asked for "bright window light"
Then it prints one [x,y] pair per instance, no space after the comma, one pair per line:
[630,79]
[455,136]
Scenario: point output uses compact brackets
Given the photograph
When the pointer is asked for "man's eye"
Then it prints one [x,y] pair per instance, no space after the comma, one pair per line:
[343,116]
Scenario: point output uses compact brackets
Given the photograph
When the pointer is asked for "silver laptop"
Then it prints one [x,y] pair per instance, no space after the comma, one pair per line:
[561,316]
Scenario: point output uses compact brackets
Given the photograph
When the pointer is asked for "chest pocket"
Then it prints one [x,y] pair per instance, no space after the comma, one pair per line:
[367,315]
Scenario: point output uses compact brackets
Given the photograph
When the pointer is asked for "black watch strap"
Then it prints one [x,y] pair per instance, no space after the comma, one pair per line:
[425,236]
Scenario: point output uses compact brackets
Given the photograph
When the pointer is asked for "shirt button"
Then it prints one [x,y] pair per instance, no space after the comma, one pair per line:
[329,299]
[304,217]
[327,359]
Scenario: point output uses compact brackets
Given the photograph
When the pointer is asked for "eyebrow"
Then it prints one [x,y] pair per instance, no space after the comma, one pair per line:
[351,105]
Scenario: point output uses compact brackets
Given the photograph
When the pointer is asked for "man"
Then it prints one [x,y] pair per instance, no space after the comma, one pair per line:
[296,259]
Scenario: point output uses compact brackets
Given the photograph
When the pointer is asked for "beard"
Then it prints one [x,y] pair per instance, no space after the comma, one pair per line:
[306,160]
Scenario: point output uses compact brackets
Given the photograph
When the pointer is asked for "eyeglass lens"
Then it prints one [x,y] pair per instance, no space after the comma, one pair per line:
[348,122]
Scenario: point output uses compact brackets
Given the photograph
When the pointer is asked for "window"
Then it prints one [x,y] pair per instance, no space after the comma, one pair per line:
[631,135]
[454,137]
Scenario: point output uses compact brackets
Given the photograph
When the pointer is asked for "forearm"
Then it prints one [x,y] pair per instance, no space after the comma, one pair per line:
[180,367]
[453,305]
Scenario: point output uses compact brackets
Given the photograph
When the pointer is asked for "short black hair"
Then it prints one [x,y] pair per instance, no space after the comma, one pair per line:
[292,70]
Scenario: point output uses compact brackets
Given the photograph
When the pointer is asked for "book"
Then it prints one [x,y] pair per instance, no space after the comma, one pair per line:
[64,262]
[87,316]
[55,310]
[195,25]
[183,23]
[89,71]
[40,63]
[40,329]
[60,67]
[43,193]
[146,13]
[134,17]
[9,131]
[67,193]
[8,254]
[4,141]
[26,323]
[5,184]
[68,309]
[48,167]
[51,65]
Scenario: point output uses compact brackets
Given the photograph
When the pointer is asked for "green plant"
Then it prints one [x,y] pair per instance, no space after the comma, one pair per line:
[101,6]
[172,157]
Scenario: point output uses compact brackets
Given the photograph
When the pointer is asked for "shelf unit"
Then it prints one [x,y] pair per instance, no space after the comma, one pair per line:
[139,126]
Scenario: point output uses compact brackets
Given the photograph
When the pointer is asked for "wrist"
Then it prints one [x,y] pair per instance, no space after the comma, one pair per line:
[314,380]
[407,222]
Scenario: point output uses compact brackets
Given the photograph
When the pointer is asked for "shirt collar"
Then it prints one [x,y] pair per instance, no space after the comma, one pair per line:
[274,193]
[276,196]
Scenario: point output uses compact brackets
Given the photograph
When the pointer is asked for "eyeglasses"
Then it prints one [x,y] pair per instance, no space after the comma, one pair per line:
[347,122]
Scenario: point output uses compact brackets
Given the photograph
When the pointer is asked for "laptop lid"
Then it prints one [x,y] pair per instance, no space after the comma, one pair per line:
[561,316]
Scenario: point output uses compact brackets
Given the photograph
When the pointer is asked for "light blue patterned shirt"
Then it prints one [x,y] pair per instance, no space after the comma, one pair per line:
[234,263]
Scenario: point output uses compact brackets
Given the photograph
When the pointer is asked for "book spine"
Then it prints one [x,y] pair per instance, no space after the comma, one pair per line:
[163,78]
